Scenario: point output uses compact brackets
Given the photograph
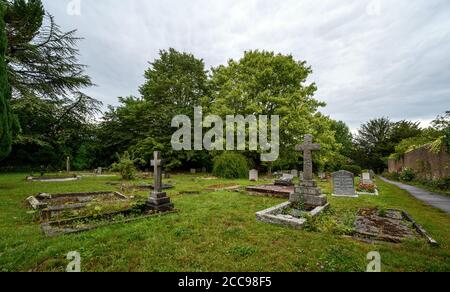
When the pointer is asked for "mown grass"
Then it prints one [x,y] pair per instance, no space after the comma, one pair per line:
[213,231]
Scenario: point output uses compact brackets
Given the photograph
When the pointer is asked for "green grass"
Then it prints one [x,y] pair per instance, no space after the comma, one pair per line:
[213,231]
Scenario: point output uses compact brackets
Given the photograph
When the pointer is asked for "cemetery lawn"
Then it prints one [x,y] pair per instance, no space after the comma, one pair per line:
[213,231]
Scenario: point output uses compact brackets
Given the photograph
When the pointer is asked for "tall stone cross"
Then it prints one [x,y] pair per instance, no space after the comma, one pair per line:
[307,147]
[157,163]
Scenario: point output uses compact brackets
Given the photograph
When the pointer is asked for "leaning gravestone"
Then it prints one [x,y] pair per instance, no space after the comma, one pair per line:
[366,178]
[158,200]
[253,175]
[344,184]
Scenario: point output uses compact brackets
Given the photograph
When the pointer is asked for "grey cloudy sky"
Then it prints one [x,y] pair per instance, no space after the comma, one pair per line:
[370,58]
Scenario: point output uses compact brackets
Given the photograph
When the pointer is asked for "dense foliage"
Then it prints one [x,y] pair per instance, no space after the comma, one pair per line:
[125,166]
[6,116]
[55,118]
[264,83]
[230,165]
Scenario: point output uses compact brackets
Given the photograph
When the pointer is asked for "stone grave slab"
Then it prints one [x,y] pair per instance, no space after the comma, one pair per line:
[271,191]
[388,225]
[51,206]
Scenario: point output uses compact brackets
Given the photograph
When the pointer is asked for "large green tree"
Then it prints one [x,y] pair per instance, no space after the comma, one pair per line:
[175,83]
[264,83]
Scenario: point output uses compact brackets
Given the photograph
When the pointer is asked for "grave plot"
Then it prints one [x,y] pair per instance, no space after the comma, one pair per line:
[388,225]
[53,178]
[223,187]
[143,187]
[271,191]
[51,206]
[82,224]
[305,201]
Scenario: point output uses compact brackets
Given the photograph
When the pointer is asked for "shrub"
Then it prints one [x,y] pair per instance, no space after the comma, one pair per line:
[407,175]
[230,165]
[391,175]
[125,166]
[355,169]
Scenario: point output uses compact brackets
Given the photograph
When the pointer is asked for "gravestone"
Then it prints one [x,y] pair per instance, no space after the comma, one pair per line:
[204,170]
[344,184]
[253,175]
[294,172]
[193,171]
[285,180]
[322,175]
[158,200]
[366,178]
[99,171]
[372,174]
[308,192]
[68,164]
[301,176]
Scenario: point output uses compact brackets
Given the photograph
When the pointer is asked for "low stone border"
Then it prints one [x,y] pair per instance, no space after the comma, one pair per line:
[40,202]
[420,229]
[53,179]
[376,194]
[50,230]
[274,216]
[344,196]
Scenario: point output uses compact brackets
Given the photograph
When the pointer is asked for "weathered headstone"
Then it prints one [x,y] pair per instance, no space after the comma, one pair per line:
[68,164]
[204,170]
[99,171]
[372,174]
[158,200]
[344,184]
[193,171]
[366,178]
[253,175]
[301,176]
[307,191]
[294,172]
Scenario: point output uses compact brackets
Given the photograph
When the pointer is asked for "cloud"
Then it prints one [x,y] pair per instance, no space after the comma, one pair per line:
[370,58]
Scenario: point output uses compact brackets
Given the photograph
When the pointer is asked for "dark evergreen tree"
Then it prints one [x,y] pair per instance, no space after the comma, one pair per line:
[6,116]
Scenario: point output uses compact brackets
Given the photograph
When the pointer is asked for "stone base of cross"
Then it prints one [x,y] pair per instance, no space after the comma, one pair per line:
[307,191]
[158,200]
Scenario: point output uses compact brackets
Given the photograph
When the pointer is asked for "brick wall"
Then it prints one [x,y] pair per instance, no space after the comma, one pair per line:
[426,163]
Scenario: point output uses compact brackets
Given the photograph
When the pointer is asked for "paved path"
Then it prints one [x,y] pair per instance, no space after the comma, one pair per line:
[438,201]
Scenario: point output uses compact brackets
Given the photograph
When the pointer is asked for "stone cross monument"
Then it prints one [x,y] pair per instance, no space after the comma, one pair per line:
[307,147]
[307,191]
[158,200]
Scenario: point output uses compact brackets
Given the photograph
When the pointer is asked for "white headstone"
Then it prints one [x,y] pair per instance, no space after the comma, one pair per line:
[366,178]
[253,175]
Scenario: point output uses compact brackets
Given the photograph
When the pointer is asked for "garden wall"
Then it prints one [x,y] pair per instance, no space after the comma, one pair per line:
[426,163]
